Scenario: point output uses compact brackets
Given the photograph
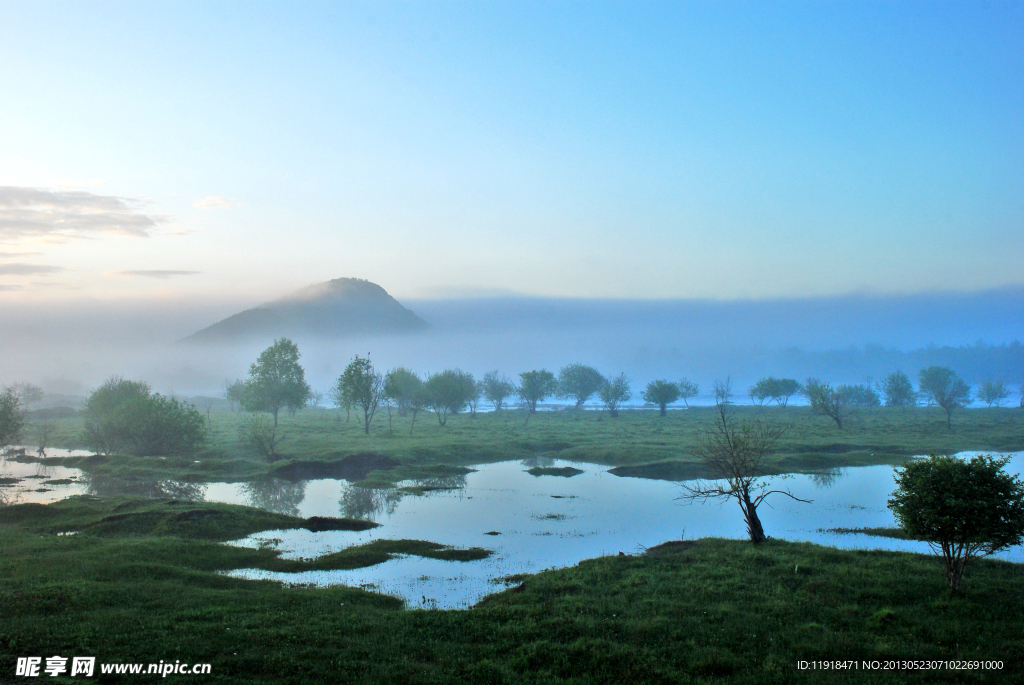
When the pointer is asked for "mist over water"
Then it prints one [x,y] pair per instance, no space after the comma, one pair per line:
[71,348]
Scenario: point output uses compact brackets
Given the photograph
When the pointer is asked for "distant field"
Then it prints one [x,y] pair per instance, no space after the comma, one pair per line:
[640,442]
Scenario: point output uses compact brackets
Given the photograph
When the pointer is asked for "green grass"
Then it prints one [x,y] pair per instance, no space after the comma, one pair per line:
[639,443]
[703,611]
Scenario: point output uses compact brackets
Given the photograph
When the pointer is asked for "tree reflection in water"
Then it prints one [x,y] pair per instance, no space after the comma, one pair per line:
[537,461]
[368,503]
[276,495]
[103,486]
[827,479]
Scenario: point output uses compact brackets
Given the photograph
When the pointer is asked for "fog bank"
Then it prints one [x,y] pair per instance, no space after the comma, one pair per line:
[71,348]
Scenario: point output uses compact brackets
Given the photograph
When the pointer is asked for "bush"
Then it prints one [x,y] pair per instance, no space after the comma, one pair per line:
[963,509]
[257,433]
[123,417]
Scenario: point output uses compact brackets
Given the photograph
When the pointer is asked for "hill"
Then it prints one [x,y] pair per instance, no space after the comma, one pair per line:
[338,308]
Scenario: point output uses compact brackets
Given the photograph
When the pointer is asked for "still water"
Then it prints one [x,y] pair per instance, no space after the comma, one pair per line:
[541,521]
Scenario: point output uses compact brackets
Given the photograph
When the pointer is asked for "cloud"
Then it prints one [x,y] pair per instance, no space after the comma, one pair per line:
[28,269]
[17,255]
[214,202]
[64,214]
[151,273]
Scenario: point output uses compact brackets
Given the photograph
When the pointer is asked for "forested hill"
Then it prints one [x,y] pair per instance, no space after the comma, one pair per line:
[338,308]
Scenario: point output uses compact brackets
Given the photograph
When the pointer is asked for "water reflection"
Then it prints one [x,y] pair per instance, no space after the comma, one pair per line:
[105,486]
[539,462]
[826,479]
[457,482]
[368,503]
[274,494]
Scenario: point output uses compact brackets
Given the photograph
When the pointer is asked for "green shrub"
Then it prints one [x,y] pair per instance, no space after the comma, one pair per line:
[123,417]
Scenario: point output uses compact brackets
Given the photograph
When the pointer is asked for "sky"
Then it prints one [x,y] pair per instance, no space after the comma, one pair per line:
[236,151]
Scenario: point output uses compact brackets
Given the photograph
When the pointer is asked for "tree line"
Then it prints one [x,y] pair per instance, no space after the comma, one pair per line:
[127,417]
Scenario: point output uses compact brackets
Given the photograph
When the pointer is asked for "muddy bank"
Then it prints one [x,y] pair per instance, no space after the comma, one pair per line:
[352,468]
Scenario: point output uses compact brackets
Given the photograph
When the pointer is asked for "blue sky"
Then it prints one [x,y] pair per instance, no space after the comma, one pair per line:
[722,150]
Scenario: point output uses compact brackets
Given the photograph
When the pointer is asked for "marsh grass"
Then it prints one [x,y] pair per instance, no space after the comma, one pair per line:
[709,610]
[639,443]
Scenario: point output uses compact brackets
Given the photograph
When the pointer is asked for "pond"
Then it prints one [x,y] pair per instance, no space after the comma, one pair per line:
[541,522]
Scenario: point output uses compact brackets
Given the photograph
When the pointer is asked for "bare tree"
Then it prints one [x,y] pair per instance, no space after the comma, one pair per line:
[206,405]
[735,450]
[723,392]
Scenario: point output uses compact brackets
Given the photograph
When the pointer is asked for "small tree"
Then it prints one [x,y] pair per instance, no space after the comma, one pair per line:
[234,393]
[497,388]
[723,391]
[735,451]
[784,389]
[614,392]
[12,417]
[940,385]
[761,391]
[474,398]
[401,386]
[44,429]
[536,386]
[661,393]
[779,390]
[258,433]
[361,386]
[993,393]
[28,393]
[341,400]
[687,391]
[826,400]
[448,392]
[276,380]
[579,382]
[859,395]
[962,509]
[897,390]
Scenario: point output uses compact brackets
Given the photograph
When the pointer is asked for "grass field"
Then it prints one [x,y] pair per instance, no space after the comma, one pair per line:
[138,582]
[639,442]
